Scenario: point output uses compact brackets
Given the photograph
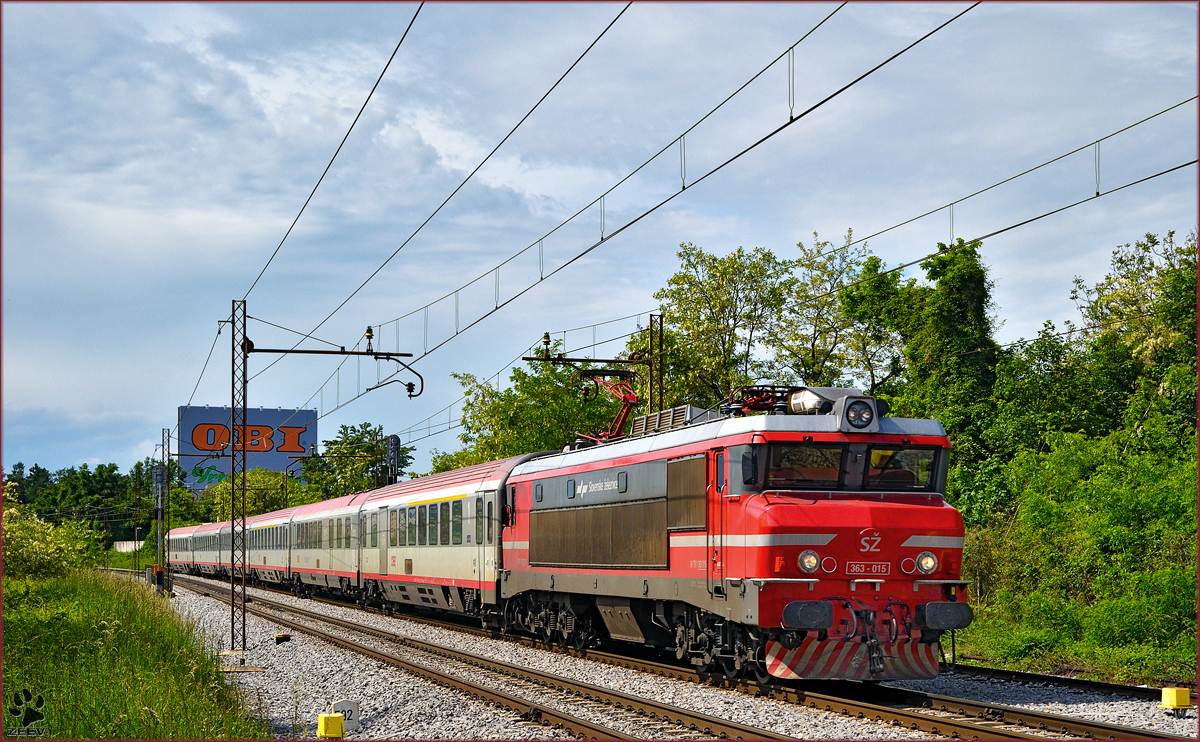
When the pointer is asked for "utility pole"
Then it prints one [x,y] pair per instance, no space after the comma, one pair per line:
[242,348]
[657,362]
[160,481]
[237,485]
[166,525]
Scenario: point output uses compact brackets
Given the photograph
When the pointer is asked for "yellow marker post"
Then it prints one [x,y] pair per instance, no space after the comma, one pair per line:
[329,726]
[1177,701]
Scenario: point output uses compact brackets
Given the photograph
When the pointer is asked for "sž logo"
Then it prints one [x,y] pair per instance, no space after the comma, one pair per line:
[869,541]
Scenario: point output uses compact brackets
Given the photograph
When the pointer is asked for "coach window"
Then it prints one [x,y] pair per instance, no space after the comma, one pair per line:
[570,489]
[479,520]
[413,528]
[374,525]
[422,525]
[456,522]
[402,536]
[444,522]
[537,492]
[392,533]
[433,525]
[489,522]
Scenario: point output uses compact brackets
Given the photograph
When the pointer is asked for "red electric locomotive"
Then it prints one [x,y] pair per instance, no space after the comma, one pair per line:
[811,542]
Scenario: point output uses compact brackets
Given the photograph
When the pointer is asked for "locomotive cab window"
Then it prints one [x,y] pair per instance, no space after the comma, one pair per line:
[804,466]
[901,468]
[537,493]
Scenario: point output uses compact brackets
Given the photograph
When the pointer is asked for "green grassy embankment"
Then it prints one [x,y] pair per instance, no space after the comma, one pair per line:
[112,660]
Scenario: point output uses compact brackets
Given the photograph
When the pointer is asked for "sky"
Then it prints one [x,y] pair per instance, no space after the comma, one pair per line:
[155,155]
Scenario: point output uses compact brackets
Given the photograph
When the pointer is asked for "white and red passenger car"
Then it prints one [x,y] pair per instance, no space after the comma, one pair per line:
[814,542]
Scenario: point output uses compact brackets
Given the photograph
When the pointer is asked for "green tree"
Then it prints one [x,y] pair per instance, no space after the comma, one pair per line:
[721,309]
[351,462]
[810,340]
[266,490]
[542,409]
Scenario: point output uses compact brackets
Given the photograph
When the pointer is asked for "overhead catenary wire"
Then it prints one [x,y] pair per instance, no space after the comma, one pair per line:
[709,173]
[335,154]
[1009,179]
[453,424]
[539,243]
[1002,230]
[792,120]
[294,332]
[513,362]
[463,183]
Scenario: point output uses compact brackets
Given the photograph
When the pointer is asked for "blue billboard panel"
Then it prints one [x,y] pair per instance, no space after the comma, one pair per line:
[273,439]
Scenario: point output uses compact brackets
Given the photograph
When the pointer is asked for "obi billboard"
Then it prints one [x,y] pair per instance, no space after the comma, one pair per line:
[272,440]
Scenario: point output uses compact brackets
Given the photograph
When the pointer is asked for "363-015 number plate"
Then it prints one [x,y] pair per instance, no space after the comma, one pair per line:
[880,569]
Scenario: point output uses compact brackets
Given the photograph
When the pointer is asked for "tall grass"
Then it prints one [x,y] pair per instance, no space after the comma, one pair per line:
[112,660]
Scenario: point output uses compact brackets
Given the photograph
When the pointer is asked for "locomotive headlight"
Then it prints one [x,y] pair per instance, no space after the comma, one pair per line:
[926,562]
[859,414]
[809,561]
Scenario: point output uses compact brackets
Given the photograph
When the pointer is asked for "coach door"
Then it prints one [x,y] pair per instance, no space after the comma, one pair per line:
[384,532]
[718,483]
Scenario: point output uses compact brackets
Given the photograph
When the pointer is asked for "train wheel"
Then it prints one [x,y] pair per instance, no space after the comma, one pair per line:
[732,667]
[762,674]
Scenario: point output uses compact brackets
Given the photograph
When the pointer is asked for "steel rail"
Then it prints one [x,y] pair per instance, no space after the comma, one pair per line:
[967,718]
[532,711]
[1016,676]
[691,721]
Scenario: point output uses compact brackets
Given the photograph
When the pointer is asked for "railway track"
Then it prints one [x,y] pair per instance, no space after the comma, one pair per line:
[536,695]
[916,710]
[1015,676]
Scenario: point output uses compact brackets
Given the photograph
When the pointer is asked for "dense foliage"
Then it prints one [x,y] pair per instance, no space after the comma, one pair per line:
[543,409]
[1074,452]
[35,548]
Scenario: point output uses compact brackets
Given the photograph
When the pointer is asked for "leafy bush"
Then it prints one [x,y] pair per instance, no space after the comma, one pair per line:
[35,548]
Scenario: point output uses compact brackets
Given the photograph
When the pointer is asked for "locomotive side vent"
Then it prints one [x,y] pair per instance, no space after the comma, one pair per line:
[676,417]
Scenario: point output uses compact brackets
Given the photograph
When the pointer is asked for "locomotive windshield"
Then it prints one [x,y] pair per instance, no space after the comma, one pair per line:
[901,468]
[809,466]
[799,466]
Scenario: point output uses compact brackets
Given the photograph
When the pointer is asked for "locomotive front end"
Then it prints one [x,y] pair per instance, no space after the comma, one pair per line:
[858,570]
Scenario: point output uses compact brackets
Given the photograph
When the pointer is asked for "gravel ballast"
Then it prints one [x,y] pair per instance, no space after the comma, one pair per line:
[299,684]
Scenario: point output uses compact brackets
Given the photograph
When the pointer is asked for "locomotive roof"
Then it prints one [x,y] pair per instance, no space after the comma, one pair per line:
[721,428]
